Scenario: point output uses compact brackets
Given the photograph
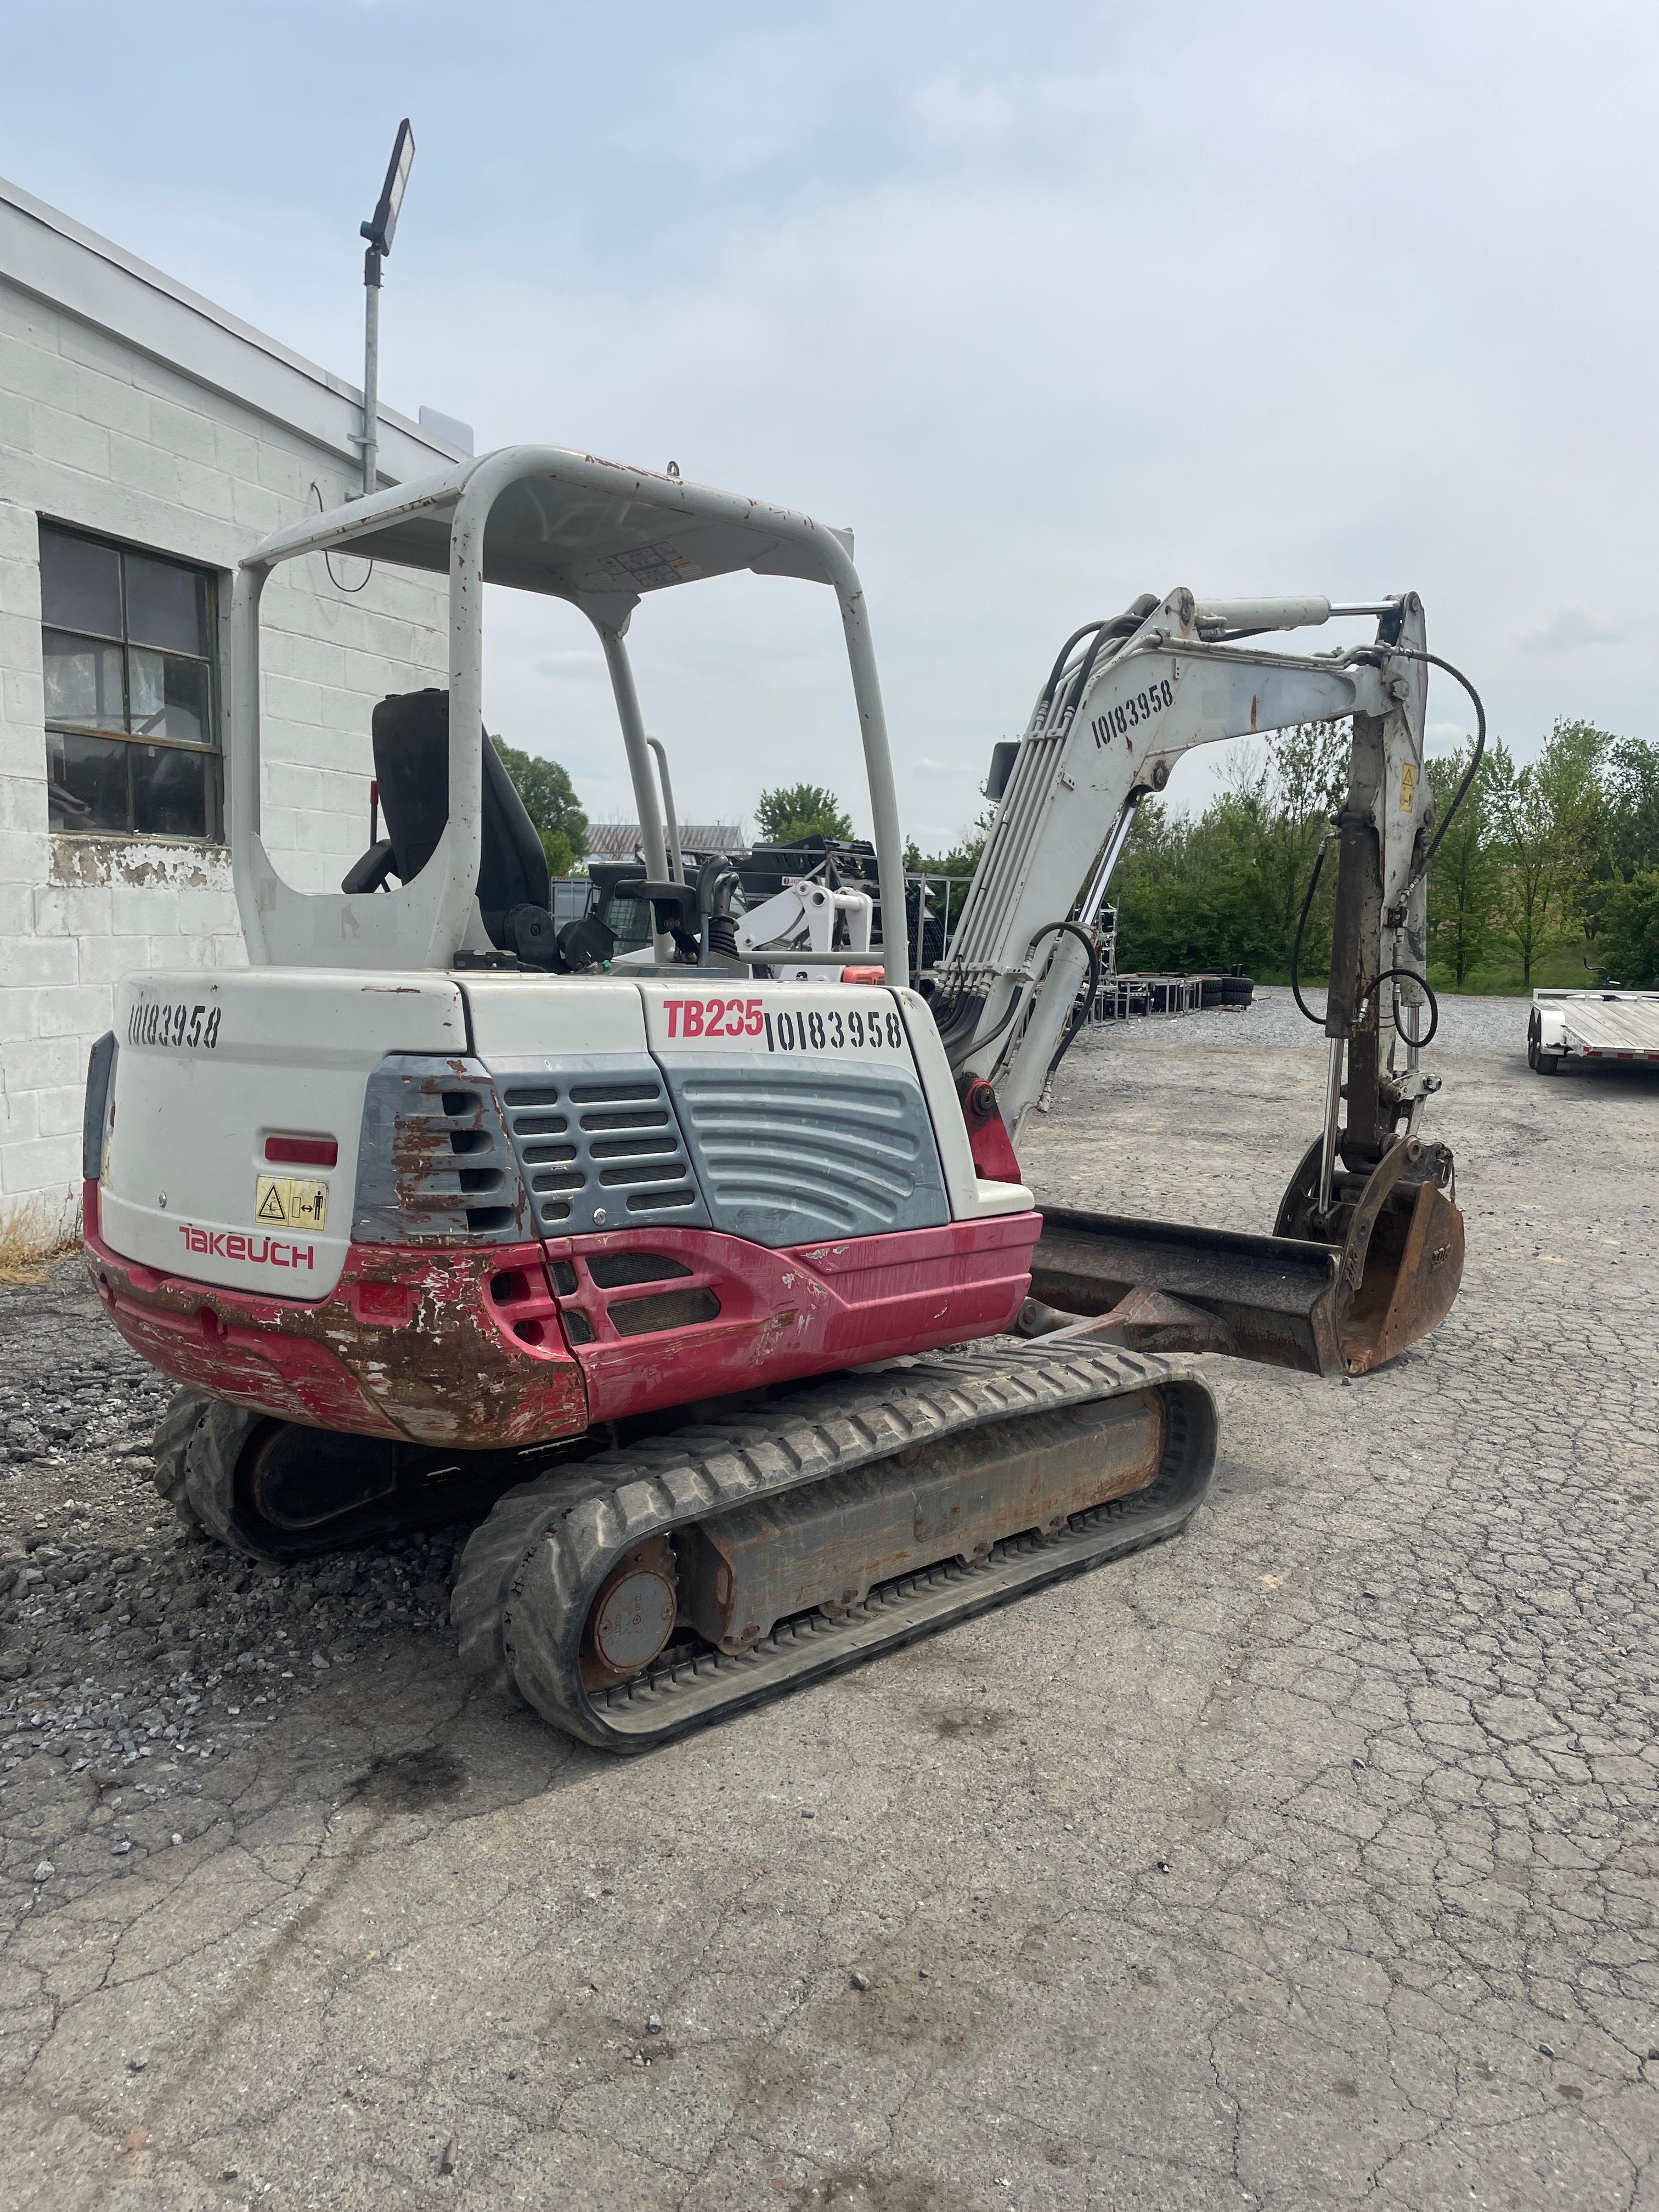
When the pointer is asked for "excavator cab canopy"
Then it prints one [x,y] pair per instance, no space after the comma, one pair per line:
[538,518]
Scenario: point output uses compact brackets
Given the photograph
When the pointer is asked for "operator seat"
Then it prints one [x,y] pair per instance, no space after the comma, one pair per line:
[411,767]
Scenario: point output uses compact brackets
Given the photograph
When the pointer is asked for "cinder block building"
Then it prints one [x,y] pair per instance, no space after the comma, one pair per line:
[148,440]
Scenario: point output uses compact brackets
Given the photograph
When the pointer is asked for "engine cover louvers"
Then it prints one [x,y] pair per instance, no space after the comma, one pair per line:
[597,1143]
[434,1163]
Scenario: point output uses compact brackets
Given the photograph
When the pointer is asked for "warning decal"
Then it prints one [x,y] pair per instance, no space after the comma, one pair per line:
[290,1202]
[1407,786]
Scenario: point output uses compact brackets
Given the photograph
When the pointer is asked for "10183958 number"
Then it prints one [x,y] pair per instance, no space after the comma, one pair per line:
[1139,707]
[190,1028]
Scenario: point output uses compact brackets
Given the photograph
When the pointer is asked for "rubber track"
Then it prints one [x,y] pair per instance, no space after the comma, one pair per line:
[171,1449]
[531,1572]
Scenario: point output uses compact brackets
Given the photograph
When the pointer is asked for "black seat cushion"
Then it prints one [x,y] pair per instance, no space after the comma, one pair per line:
[412,767]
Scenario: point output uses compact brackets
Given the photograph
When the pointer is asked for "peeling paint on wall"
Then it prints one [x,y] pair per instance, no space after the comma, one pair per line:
[80,862]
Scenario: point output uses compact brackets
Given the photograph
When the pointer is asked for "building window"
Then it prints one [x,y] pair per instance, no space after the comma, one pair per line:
[132,693]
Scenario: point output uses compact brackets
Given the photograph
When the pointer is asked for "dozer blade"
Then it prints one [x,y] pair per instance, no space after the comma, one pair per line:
[1269,1298]
[1289,1300]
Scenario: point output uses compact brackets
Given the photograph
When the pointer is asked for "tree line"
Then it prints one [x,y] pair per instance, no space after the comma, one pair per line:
[1557,855]
[1555,859]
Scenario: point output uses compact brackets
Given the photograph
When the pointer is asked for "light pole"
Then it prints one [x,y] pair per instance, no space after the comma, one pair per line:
[378,231]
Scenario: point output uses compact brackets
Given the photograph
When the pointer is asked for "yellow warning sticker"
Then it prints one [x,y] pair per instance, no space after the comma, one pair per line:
[1407,786]
[291,1202]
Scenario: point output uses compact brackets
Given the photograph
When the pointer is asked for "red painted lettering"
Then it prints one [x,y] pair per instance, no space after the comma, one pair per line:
[235,1244]
[671,1008]
[693,1017]
[712,1026]
[757,1020]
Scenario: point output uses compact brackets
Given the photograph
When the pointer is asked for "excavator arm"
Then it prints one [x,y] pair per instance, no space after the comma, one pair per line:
[1126,699]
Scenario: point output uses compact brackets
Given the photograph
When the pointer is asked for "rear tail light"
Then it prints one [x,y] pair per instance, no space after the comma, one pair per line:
[302,1152]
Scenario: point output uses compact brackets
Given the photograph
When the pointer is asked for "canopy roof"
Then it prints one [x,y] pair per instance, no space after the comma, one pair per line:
[576,527]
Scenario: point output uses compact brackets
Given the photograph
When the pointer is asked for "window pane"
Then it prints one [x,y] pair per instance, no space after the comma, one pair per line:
[169,697]
[169,791]
[631,920]
[83,681]
[87,782]
[166,605]
[80,584]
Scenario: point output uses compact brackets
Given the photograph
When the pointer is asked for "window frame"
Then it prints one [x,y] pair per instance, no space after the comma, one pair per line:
[212,751]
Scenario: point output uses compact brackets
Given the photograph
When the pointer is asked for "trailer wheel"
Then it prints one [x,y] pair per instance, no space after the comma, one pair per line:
[1547,1062]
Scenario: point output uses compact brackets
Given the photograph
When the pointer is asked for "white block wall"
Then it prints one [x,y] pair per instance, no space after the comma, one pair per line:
[96,433]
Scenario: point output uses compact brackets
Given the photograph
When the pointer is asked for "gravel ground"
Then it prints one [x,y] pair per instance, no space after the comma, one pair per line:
[1273,1022]
[124,1637]
[1309,1861]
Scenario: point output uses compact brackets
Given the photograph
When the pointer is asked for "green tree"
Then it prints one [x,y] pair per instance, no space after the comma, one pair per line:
[550,801]
[1545,817]
[1463,882]
[958,864]
[1278,807]
[1632,807]
[1627,942]
[1226,889]
[795,810]
[1188,896]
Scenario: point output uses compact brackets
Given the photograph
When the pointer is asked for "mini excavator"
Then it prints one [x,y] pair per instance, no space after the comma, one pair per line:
[709,1280]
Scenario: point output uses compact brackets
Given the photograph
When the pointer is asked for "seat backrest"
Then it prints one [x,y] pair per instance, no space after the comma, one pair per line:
[412,767]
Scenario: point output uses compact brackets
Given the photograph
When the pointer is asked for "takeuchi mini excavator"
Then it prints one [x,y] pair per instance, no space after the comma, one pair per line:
[710,1279]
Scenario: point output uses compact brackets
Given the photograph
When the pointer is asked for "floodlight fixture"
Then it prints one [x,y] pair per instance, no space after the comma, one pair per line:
[379,229]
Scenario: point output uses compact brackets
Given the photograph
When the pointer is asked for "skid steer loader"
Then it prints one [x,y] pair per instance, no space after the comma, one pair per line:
[681,1274]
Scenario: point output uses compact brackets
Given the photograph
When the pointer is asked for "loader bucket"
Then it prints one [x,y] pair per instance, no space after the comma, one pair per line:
[1288,1300]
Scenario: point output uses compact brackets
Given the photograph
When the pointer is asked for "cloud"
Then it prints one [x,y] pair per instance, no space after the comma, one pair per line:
[1572,626]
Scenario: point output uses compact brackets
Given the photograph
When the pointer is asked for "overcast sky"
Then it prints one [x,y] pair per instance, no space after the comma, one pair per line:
[1053,305]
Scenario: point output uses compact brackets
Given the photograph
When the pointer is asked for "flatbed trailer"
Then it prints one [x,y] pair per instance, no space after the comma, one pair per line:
[1587,1025]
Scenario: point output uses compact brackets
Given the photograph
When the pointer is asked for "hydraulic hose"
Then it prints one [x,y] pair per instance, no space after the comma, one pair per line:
[1409,975]
[1409,653]
[1064,654]
[1434,660]
[1296,942]
[1068,1038]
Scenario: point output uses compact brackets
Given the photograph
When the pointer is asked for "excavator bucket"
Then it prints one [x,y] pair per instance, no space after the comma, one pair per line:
[1287,1300]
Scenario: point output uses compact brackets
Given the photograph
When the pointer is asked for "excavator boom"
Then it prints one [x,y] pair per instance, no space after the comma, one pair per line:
[1367,1252]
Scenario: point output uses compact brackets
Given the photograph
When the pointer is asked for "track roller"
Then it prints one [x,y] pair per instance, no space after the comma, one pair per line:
[650,1589]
